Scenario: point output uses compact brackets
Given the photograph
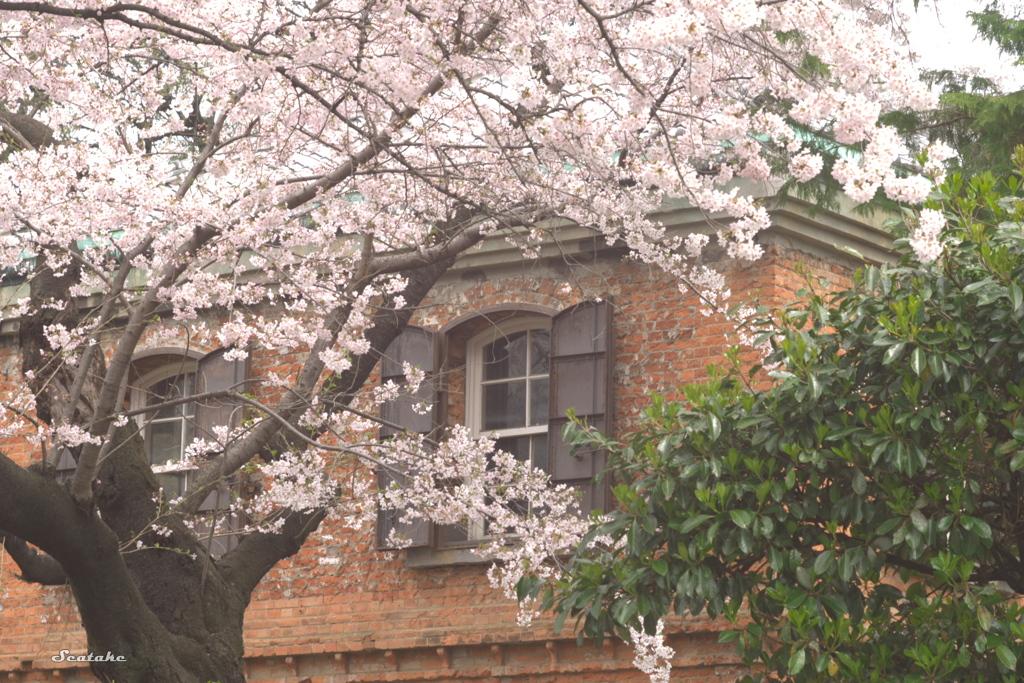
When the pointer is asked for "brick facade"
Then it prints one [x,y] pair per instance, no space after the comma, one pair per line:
[383,616]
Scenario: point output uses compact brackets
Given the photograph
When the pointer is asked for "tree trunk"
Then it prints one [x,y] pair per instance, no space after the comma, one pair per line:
[170,612]
[159,604]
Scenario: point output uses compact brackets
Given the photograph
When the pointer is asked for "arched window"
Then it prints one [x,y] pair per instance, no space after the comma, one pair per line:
[167,431]
[507,387]
[523,373]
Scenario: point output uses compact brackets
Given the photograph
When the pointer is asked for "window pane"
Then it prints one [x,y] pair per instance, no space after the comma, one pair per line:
[158,394]
[172,483]
[454,534]
[170,389]
[538,401]
[504,405]
[163,441]
[540,452]
[540,341]
[518,446]
[190,390]
[506,357]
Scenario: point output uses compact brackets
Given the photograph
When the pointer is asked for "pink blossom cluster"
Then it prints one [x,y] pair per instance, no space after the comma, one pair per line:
[805,166]
[653,657]
[925,239]
[937,153]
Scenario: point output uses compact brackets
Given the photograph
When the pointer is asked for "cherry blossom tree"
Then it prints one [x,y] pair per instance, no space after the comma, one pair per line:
[304,172]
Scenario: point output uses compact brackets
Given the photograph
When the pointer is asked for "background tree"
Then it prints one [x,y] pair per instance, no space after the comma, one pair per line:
[860,518]
[301,173]
[975,116]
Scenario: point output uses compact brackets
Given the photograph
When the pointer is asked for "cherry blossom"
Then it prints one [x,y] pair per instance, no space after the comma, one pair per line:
[925,239]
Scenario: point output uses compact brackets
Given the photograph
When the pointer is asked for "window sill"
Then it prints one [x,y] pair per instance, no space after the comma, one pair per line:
[429,558]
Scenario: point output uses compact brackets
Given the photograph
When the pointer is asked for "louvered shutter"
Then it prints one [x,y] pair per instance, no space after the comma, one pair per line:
[581,365]
[417,347]
[66,467]
[217,373]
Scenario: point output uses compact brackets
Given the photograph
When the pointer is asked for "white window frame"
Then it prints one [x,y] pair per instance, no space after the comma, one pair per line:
[475,382]
[139,394]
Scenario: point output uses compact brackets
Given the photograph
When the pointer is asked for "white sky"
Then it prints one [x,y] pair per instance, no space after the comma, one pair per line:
[944,38]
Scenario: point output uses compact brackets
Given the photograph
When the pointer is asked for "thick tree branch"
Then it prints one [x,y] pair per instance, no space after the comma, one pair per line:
[115,12]
[35,567]
[258,552]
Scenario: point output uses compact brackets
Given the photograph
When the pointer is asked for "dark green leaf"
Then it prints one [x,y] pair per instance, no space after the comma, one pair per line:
[690,523]
[892,353]
[1017,461]
[742,518]
[1007,657]
[859,482]
[917,361]
[797,661]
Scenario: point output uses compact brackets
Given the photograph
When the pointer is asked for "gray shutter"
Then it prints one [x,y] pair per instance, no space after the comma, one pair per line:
[66,467]
[581,366]
[220,499]
[417,347]
[216,373]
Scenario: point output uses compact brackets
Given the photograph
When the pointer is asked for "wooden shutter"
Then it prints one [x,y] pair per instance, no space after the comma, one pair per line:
[66,467]
[217,373]
[219,500]
[417,347]
[581,366]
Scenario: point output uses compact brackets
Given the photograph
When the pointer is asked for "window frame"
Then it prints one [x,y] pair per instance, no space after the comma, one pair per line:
[475,375]
[474,394]
[183,362]
[458,349]
[139,393]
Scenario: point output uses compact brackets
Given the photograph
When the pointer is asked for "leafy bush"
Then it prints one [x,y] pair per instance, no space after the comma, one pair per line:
[862,516]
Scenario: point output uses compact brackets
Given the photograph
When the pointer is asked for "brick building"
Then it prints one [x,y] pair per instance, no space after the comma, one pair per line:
[495,333]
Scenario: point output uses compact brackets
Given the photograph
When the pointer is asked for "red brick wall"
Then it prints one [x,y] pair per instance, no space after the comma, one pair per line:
[371,618]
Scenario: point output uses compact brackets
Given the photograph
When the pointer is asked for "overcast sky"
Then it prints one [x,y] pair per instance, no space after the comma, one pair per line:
[944,37]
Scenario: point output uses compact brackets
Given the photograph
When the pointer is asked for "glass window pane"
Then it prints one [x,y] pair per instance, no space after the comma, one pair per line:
[504,405]
[190,390]
[540,452]
[518,446]
[539,401]
[519,506]
[158,394]
[173,484]
[163,441]
[454,534]
[540,341]
[506,357]
[170,389]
